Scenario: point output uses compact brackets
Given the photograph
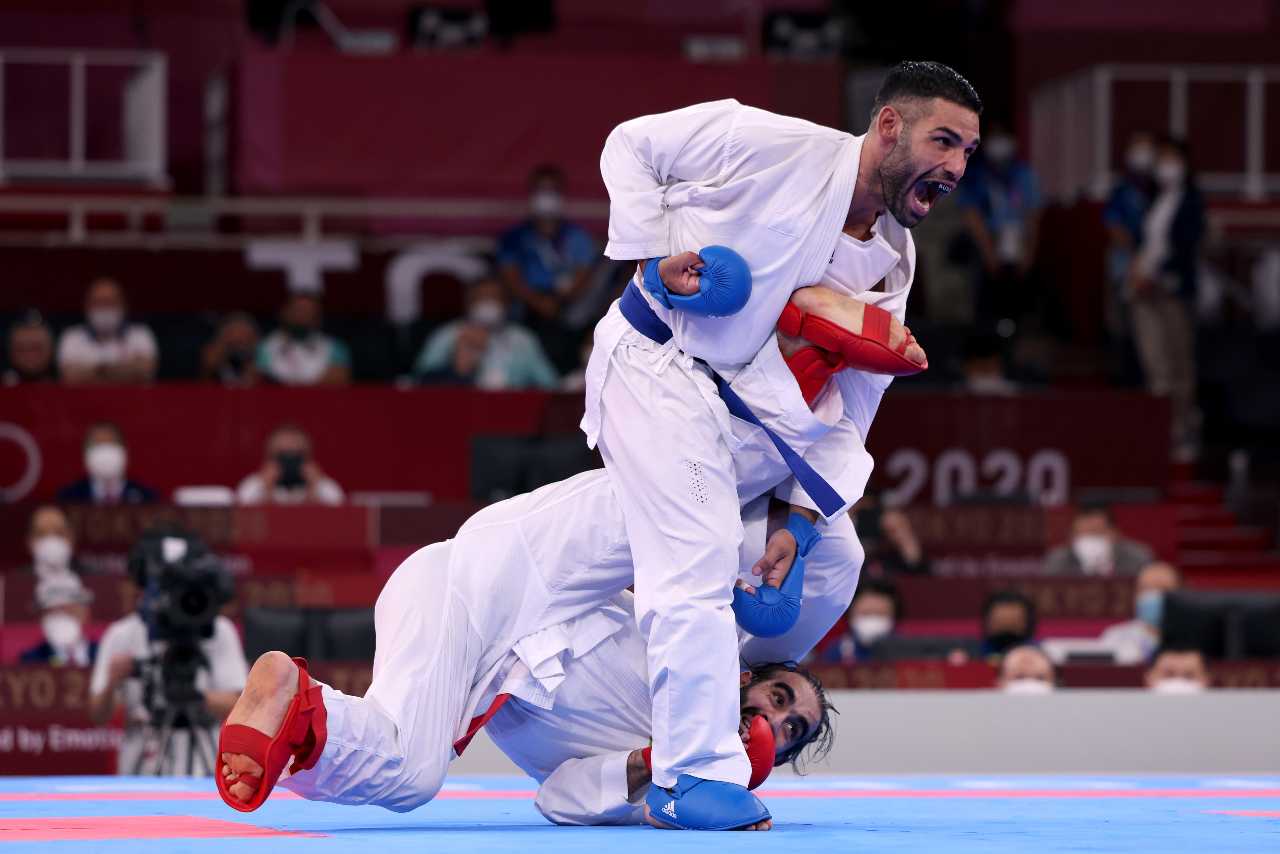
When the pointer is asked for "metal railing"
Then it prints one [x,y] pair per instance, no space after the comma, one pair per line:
[1072,118]
[143,120]
[198,220]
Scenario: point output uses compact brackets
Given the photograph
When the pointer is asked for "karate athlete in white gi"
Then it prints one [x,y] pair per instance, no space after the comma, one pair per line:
[499,609]
[796,201]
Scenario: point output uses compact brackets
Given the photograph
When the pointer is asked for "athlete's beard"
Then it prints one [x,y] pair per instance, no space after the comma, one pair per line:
[897,181]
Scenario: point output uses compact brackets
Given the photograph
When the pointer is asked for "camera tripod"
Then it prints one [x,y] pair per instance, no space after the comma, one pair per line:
[191,717]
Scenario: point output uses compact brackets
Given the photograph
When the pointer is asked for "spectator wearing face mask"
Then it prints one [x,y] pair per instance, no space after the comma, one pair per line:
[892,547]
[30,351]
[230,357]
[484,349]
[1135,641]
[876,608]
[546,264]
[1008,620]
[63,603]
[106,480]
[289,475]
[1026,669]
[1097,549]
[298,352]
[1124,215]
[107,348]
[1162,287]
[51,543]
[1178,670]
[1001,201]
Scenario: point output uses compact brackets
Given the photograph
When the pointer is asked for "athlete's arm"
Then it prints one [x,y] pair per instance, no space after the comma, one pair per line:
[594,790]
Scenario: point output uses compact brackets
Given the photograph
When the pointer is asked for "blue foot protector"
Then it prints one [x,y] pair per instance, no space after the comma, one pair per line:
[698,804]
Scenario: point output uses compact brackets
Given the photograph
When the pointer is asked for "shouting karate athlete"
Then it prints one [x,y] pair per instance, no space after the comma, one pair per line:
[501,609]
[801,204]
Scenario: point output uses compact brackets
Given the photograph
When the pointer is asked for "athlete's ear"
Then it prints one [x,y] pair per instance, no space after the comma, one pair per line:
[744,678]
[888,124]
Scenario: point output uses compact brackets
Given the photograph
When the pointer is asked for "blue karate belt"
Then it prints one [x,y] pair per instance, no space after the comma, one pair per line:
[642,318]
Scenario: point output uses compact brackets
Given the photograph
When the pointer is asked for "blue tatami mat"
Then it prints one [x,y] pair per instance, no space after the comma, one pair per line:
[836,814]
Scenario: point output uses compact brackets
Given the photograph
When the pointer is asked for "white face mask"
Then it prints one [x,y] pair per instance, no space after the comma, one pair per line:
[62,631]
[105,461]
[487,313]
[1170,173]
[1092,550]
[546,204]
[1177,685]
[1140,158]
[105,321]
[51,550]
[869,628]
[1027,686]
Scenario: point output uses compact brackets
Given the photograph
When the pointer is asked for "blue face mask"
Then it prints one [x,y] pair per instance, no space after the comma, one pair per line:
[1149,607]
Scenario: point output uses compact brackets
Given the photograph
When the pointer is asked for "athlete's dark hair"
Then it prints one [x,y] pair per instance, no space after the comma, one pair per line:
[817,743]
[926,80]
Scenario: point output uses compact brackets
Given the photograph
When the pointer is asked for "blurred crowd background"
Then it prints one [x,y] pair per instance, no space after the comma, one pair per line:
[301,285]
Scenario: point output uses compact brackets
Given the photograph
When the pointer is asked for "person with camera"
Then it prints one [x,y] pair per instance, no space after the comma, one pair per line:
[175,666]
[289,473]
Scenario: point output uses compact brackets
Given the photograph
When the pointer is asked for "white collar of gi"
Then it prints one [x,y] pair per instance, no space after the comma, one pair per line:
[859,264]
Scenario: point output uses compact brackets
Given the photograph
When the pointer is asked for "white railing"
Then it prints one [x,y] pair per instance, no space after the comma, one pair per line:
[142,121]
[197,219]
[1072,118]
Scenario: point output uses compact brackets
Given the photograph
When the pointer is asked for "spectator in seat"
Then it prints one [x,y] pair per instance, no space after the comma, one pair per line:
[298,352]
[890,540]
[106,480]
[51,543]
[107,348]
[1008,620]
[1000,198]
[1178,670]
[289,474]
[63,603]
[875,610]
[484,349]
[1026,669]
[1097,549]
[30,351]
[546,264]
[1162,285]
[1134,641]
[230,358]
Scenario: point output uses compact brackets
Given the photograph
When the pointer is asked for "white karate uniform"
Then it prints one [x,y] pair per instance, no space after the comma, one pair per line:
[502,608]
[777,190]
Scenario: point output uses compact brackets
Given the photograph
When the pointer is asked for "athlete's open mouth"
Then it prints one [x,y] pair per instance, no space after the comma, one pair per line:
[927,191]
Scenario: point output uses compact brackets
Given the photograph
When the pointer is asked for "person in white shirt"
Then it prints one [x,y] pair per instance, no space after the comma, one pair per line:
[289,473]
[1135,641]
[801,204]
[107,348]
[503,608]
[299,353]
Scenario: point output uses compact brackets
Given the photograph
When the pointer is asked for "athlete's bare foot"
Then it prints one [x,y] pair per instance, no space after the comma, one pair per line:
[272,682]
[767,824]
[847,312]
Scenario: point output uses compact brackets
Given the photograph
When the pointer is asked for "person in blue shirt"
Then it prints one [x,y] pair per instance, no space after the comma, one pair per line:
[1124,215]
[1000,197]
[546,263]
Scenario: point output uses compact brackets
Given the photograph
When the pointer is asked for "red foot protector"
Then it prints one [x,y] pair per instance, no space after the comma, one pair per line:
[760,750]
[812,367]
[301,738]
[868,351]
